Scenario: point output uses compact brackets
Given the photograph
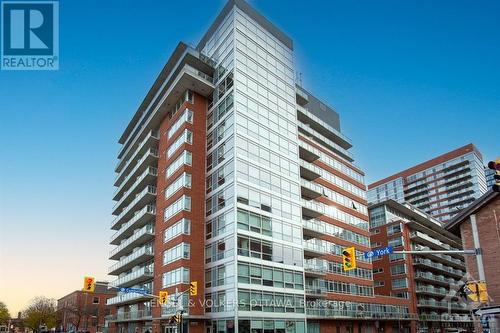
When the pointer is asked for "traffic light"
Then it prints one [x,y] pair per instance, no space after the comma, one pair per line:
[163,297]
[175,319]
[495,165]
[88,284]
[349,258]
[193,288]
[476,291]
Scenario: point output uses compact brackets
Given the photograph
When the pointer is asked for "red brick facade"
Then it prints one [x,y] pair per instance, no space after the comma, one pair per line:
[80,311]
[196,215]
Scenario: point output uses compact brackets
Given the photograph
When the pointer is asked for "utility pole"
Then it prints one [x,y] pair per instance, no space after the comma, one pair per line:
[477,247]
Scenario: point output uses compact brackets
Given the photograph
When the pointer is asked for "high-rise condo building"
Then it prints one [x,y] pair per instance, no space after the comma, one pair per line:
[440,187]
[431,281]
[232,176]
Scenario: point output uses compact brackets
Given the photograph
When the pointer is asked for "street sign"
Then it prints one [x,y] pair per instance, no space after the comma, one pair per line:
[492,310]
[379,252]
[134,290]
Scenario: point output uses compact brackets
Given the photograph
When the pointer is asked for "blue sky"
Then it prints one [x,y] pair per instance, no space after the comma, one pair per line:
[410,79]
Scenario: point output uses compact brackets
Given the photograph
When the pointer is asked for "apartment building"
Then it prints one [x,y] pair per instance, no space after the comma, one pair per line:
[81,311]
[429,281]
[441,187]
[232,176]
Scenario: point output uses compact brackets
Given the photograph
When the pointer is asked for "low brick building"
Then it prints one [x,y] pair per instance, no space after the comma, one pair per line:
[82,311]
[487,211]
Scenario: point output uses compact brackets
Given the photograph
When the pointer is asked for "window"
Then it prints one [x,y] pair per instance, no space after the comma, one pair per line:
[185,158]
[398,269]
[187,117]
[183,226]
[183,203]
[185,137]
[183,180]
[395,242]
[396,257]
[393,229]
[260,249]
[177,276]
[179,251]
[378,270]
[95,300]
[399,283]
[377,283]
[269,276]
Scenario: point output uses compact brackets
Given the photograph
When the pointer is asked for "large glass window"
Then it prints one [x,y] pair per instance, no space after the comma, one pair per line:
[185,137]
[183,203]
[183,226]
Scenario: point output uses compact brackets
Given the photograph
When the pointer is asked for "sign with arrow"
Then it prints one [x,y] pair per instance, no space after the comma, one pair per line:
[379,252]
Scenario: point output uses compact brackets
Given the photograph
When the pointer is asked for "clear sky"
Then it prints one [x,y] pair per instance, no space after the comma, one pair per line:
[410,79]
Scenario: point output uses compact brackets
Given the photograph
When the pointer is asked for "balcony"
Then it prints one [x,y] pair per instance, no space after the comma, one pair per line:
[148,177]
[444,317]
[310,190]
[438,267]
[314,135]
[309,171]
[442,258]
[140,219]
[434,279]
[422,303]
[307,117]
[431,290]
[141,275]
[151,139]
[186,69]
[301,96]
[143,254]
[308,152]
[316,292]
[315,267]
[150,158]
[312,208]
[313,228]
[131,315]
[140,237]
[127,298]
[325,313]
[146,196]
[314,249]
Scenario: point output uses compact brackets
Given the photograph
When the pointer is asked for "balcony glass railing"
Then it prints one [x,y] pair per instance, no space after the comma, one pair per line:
[329,144]
[143,271]
[148,209]
[324,124]
[441,304]
[145,250]
[335,313]
[316,265]
[150,171]
[152,134]
[150,152]
[147,229]
[125,298]
[436,265]
[150,189]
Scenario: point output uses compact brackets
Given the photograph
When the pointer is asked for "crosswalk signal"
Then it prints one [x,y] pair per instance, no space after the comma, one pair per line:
[163,297]
[495,165]
[349,258]
[193,288]
[88,284]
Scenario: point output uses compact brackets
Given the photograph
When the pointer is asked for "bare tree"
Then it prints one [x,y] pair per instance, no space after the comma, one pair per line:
[40,312]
